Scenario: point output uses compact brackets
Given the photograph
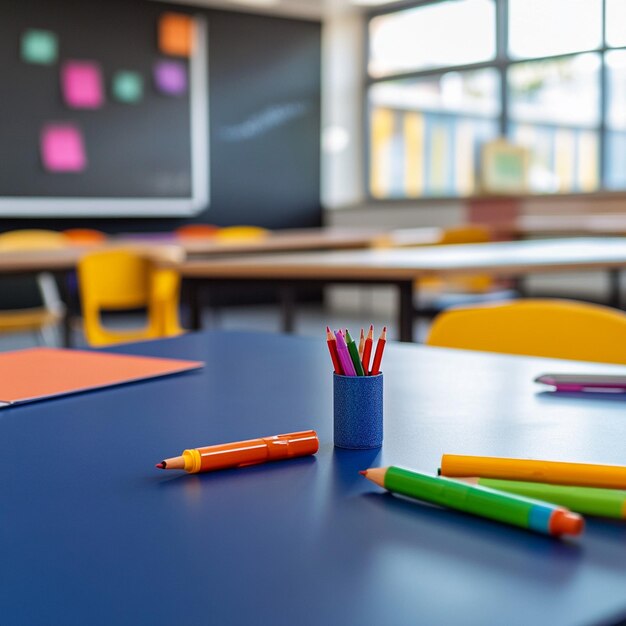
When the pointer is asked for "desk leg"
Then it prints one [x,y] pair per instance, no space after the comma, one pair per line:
[288,308]
[615,299]
[195,309]
[405,313]
[62,280]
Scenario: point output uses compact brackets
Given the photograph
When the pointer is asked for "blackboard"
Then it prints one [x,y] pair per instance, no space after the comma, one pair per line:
[147,158]
[257,65]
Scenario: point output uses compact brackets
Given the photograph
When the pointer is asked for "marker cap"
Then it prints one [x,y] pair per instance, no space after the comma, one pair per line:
[292,444]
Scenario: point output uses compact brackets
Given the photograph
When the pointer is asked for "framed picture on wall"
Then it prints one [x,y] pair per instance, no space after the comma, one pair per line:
[504,168]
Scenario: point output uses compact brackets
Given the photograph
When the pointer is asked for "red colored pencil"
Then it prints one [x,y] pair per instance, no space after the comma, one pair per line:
[367,350]
[332,348]
[378,355]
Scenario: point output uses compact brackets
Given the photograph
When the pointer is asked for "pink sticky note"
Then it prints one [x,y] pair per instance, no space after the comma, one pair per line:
[82,84]
[62,148]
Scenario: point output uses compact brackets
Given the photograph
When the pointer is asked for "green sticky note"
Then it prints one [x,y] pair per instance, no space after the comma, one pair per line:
[128,86]
[39,46]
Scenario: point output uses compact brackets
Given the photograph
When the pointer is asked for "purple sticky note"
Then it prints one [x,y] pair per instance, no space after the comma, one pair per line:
[82,85]
[62,148]
[170,77]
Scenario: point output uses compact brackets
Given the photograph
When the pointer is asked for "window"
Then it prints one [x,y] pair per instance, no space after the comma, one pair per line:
[445,77]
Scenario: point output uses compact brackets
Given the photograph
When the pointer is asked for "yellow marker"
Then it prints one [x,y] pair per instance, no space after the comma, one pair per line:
[555,472]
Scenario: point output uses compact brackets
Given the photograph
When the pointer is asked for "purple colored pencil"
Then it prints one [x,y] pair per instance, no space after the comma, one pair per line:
[344,355]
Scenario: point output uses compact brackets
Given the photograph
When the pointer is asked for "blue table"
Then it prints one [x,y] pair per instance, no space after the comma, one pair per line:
[91,533]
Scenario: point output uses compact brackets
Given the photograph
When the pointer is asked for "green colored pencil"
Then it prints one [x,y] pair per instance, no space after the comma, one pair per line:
[354,354]
[508,508]
[589,500]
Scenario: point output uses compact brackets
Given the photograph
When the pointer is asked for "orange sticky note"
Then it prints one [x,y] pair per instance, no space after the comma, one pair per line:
[176,34]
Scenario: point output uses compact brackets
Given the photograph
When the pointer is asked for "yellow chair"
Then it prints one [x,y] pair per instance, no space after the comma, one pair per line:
[34,302]
[438,294]
[117,280]
[535,327]
[474,284]
[241,233]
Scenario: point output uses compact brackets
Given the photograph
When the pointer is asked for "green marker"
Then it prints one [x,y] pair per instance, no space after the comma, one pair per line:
[354,354]
[508,508]
[589,500]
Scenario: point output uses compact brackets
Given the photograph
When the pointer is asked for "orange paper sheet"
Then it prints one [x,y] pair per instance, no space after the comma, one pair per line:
[38,373]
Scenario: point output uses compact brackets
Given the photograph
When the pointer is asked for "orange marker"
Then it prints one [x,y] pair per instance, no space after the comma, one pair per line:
[242,453]
[367,350]
[332,348]
[378,355]
[361,345]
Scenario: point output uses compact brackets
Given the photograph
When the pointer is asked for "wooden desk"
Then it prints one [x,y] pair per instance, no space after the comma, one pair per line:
[292,240]
[62,262]
[610,224]
[402,267]
[295,240]
[93,534]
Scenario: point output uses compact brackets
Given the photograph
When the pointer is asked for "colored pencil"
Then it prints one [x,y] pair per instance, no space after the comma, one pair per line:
[344,355]
[332,348]
[554,472]
[587,500]
[354,354]
[503,507]
[378,355]
[361,344]
[367,350]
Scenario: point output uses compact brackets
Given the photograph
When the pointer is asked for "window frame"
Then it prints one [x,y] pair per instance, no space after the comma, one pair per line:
[501,63]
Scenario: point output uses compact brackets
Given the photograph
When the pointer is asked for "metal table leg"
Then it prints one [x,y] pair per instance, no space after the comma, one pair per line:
[195,307]
[405,313]
[288,307]
[615,299]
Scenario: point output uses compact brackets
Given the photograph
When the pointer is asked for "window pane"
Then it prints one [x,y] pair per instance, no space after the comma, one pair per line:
[561,91]
[615,175]
[416,154]
[616,22]
[616,89]
[455,32]
[562,159]
[539,28]
[473,92]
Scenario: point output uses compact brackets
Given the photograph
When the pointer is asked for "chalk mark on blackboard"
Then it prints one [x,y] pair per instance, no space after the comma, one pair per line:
[264,121]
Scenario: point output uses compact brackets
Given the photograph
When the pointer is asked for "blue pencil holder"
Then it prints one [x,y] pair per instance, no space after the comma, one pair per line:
[358,411]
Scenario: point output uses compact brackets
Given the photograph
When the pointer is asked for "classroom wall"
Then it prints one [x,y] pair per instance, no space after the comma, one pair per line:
[264,116]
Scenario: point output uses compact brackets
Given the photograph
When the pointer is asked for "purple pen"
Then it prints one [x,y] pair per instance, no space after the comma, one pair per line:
[344,355]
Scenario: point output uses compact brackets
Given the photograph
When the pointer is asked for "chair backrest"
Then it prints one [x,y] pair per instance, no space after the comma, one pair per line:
[241,233]
[113,279]
[32,239]
[124,279]
[196,231]
[84,236]
[548,328]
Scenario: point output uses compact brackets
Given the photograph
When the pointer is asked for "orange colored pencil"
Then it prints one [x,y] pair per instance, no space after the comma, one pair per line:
[332,348]
[378,355]
[361,343]
[367,350]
